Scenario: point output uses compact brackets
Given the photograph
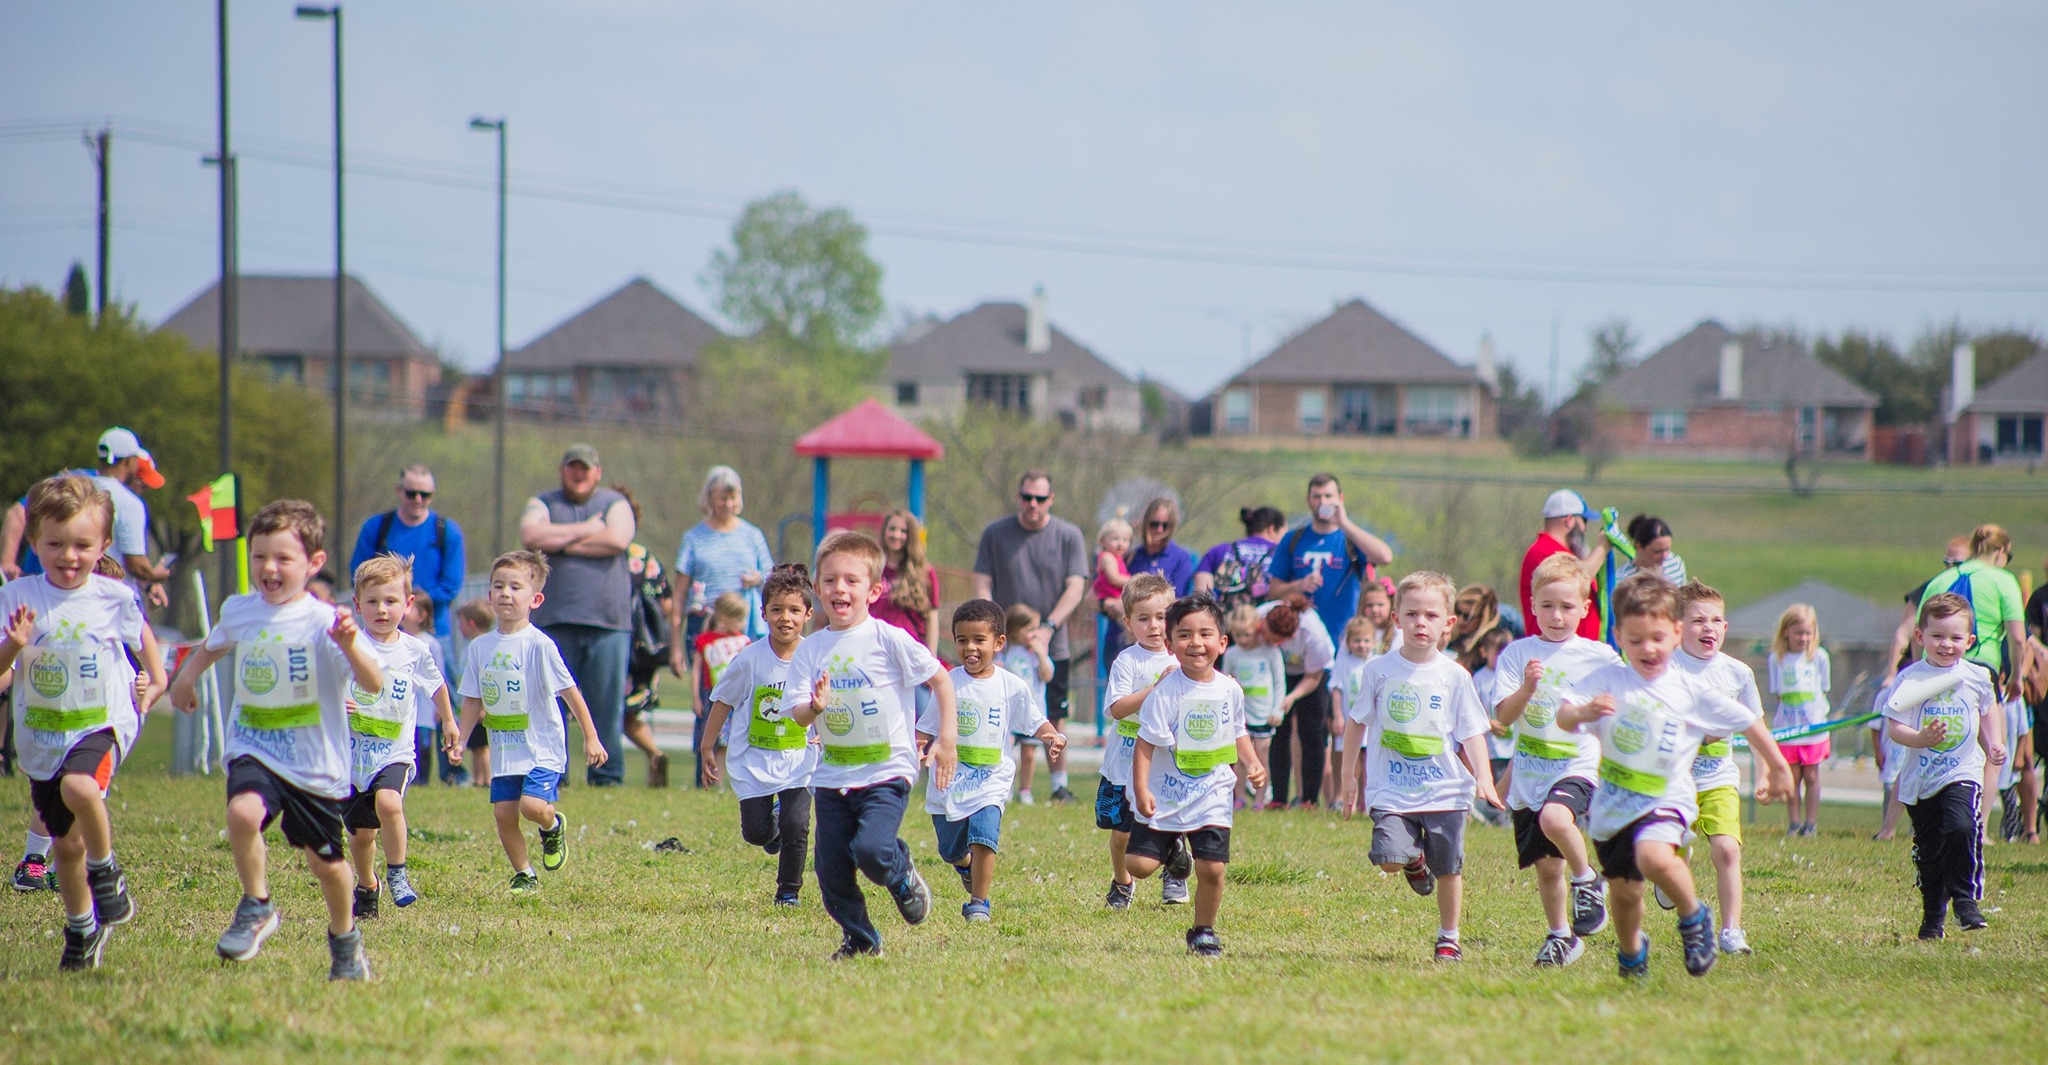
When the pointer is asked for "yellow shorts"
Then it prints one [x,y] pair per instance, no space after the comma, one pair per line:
[1720,813]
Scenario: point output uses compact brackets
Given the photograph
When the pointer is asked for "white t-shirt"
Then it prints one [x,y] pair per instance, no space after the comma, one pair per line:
[1347,688]
[288,710]
[1020,661]
[991,712]
[428,718]
[1545,753]
[131,519]
[1415,717]
[380,724]
[1134,670]
[1262,672]
[1309,650]
[1193,728]
[1801,683]
[73,679]
[518,675]
[1649,742]
[871,670]
[1715,766]
[1496,746]
[1959,756]
[765,751]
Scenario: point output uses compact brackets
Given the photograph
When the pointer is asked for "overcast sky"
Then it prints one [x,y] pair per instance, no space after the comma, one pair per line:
[1178,176]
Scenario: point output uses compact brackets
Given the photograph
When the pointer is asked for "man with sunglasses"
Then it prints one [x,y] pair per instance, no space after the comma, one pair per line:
[1041,561]
[432,541]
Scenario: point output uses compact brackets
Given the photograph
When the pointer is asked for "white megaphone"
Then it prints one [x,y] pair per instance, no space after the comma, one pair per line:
[1920,690]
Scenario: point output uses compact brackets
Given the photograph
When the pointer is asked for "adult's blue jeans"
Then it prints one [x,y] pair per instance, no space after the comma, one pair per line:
[597,658]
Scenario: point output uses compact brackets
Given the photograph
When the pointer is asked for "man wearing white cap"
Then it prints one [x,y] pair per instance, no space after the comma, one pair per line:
[1565,515]
[123,464]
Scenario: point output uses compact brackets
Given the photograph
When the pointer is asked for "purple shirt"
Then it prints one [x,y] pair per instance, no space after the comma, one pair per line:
[1176,564]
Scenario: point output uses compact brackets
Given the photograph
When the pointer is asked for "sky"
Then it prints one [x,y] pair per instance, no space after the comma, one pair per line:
[1190,182]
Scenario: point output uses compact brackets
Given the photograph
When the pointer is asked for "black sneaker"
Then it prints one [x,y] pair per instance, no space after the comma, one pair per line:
[1119,897]
[110,899]
[1179,863]
[1697,933]
[1931,928]
[1589,907]
[1969,916]
[787,899]
[82,950]
[847,951]
[1639,968]
[366,902]
[1420,879]
[1202,943]
[554,844]
[346,958]
[1061,795]
[913,898]
[32,873]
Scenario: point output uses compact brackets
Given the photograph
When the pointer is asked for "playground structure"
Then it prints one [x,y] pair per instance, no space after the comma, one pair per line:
[868,431]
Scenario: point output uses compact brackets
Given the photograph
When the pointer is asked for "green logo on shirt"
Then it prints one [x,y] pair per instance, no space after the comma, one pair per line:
[838,720]
[49,677]
[1631,730]
[489,688]
[970,718]
[259,672]
[1201,721]
[1403,703]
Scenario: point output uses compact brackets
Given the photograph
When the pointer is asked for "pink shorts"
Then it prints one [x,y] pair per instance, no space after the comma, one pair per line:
[1808,753]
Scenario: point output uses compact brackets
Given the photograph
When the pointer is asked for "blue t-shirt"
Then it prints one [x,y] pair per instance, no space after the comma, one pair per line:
[716,561]
[1303,551]
[1176,564]
[435,574]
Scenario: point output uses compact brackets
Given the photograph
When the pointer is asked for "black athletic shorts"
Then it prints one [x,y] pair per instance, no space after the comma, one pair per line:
[1531,845]
[312,822]
[362,806]
[1209,844]
[1056,703]
[92,756]
[1618,854]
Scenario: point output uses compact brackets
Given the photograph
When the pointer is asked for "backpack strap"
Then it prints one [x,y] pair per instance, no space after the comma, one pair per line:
[383,539]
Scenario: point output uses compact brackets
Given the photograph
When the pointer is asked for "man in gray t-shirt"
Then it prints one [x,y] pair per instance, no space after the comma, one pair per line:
[1041,561]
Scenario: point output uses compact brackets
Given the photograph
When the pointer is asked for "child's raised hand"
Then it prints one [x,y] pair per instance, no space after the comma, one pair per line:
[1602,705]
[343,631]
[818,695]
[21,627]
[1934,732]
[1057,745]
[1532,674]
[1039,640]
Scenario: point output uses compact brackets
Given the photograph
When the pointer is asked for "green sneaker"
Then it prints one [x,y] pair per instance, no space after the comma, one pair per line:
[525,883]
[554,844]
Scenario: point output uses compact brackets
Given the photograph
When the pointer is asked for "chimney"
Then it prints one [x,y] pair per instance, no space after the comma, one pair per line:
[1037,327]
[1731,371]
[1488,367]
[1962,379]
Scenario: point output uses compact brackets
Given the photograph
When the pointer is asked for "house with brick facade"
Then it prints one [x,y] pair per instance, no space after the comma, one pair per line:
[1355,373]
[2002,421]
[1008,357]
[1713,393]
[631,356]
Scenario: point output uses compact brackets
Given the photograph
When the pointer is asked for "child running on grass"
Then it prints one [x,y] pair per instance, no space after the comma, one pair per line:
[1147,597]
[1024,654]
[1347,687]
[76,705]
[1260,669]
[723,638]
[511,677]
[288,734]
[1190,727]
[770,757]
[1798,669]
[1416,728]
[856,678]
[380,725]
[994,709]
[1703,630]
[1554,766]
[1944,710]
[1651,720]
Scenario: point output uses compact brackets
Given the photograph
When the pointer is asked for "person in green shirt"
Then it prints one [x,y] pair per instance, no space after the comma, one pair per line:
[1994,596]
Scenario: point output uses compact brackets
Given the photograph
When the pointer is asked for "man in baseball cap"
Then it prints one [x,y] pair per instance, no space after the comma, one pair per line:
[1565,514]
[117,447]
[123,463]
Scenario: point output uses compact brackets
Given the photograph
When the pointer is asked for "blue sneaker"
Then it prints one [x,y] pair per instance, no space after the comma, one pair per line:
[1697,933]
[402,892]
[1638,967]
[975,911]
[913,898]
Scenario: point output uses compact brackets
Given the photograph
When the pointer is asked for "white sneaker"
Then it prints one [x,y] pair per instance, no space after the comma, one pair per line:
[1734,942]
[1026,798]
[1663,899]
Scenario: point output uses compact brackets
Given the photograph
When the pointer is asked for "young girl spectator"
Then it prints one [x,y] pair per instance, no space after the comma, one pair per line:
[1112,543]
[1478,610]
[1255,661]
[1653,551]
[1376,604]
[723,638]
[1025,654]
[653,636]
[1798,667]
[1479,659]
[910,586]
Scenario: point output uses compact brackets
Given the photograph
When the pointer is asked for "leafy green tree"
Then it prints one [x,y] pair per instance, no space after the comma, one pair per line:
[1904,388]
[800,274]
[1613,349]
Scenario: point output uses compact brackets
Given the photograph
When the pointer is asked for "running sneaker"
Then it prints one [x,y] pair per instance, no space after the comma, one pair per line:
[1697,934]
[1179,863]
[1931,929]
[82,950]
[365,904]
[1447,949]
[1173,891]
[787,899]
[347,960]
[913,898]
[1734,942]
[32,873]
[402,893]
[110,899]
[1589,907]
[974,911]
[554,844]
[1027,798]
[252,924]
[1202,943]
[1637,968]
[1559,951]
[1420,879]
[1119,897]
[1969,916]
[1663,900]
[1061,795]
[1272,804]
[525,883]
[848,951]
[966,878]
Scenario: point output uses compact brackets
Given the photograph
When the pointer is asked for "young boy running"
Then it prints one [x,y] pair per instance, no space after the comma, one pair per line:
[1703,625]
[1146,599]
[994,709]
[856,679]
[75,714]
[511,677]
[1944,711]
[1551,784]
[381,727]
[770,757]
[288,733]
[1651,719]
[1419,730]
[1190,732]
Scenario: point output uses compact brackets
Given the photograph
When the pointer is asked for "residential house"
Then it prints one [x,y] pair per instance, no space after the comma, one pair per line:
[630,356]
[1716,394]
[2002,421]
[1356,372]
[1008,357]
[286,326]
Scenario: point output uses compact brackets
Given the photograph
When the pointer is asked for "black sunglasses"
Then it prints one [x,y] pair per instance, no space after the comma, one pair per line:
[1029,498]
[414,493]
[1159,525]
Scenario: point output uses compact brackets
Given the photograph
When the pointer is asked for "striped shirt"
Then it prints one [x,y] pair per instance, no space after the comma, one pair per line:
[714,561]
[1674,569]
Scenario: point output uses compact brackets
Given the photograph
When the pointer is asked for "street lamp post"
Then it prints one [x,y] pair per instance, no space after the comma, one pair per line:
[340,367]
[497,125]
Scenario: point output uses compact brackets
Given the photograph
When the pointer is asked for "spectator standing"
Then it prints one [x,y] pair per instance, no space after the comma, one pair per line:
[910,586]
[1041,561]
[1234,571]
[432,542]
[123,465]
[1327,558]
[1565,515]
[1653,552]
[723,553]
[1156,552]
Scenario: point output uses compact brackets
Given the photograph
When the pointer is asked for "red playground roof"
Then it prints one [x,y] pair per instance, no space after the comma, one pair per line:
[869,431]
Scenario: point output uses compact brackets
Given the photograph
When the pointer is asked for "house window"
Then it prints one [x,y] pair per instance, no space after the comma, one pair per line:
[1436,410]
[284,367]
[1354,410]
[2019,434]
[1094,397]
[622,392]
[1010,392]
[1667,426]
[369,379]
[544,393]
[1809,427]
[1309,405]
[906,393]
[1237,410]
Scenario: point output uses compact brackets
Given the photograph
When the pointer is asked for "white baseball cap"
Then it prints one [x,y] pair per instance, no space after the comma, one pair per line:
[1565,503]
[118,443]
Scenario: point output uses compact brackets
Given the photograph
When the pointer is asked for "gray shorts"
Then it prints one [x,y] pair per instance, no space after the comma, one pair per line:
[1437,835]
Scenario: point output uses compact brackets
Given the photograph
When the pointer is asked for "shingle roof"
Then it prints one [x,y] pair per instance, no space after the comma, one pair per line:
[1846,620]
[1686,374]
[990,339]
[284,314]
[637,325]
[1357,344]
[2023,389]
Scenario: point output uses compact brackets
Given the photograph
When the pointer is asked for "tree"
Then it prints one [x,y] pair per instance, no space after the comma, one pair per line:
[77,291]
[800,274]
[1614,343]
[1904,390]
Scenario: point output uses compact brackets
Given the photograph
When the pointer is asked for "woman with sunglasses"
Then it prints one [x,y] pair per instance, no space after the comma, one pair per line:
[1157,553]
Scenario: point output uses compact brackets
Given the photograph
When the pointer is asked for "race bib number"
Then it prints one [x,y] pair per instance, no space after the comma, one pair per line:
[277,686]
[63,690]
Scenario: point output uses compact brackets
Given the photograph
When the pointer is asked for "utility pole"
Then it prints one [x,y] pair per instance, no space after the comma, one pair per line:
[101,147]
[339,552]
[497,125]
[230,340]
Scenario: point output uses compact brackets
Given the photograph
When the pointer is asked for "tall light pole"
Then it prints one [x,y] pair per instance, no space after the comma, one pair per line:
[230,339]
[340,367]
[497,125]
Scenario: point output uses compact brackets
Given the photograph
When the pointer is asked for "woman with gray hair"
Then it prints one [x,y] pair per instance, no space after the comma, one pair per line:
[723,553]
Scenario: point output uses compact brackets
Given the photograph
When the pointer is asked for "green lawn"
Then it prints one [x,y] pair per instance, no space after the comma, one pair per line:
[632,955]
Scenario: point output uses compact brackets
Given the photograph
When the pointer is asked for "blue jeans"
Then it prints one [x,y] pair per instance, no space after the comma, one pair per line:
[597,658]
[856,831]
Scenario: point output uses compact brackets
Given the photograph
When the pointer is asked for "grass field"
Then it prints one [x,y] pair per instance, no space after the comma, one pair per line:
[631,955]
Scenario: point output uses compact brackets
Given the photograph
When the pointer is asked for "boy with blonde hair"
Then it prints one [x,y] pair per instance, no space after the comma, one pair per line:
[1146,599]
[1703,623]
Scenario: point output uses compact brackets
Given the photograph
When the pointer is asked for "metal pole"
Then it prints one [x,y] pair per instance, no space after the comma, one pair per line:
[498,378]
[339,554]
[230,342]
[103,154]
